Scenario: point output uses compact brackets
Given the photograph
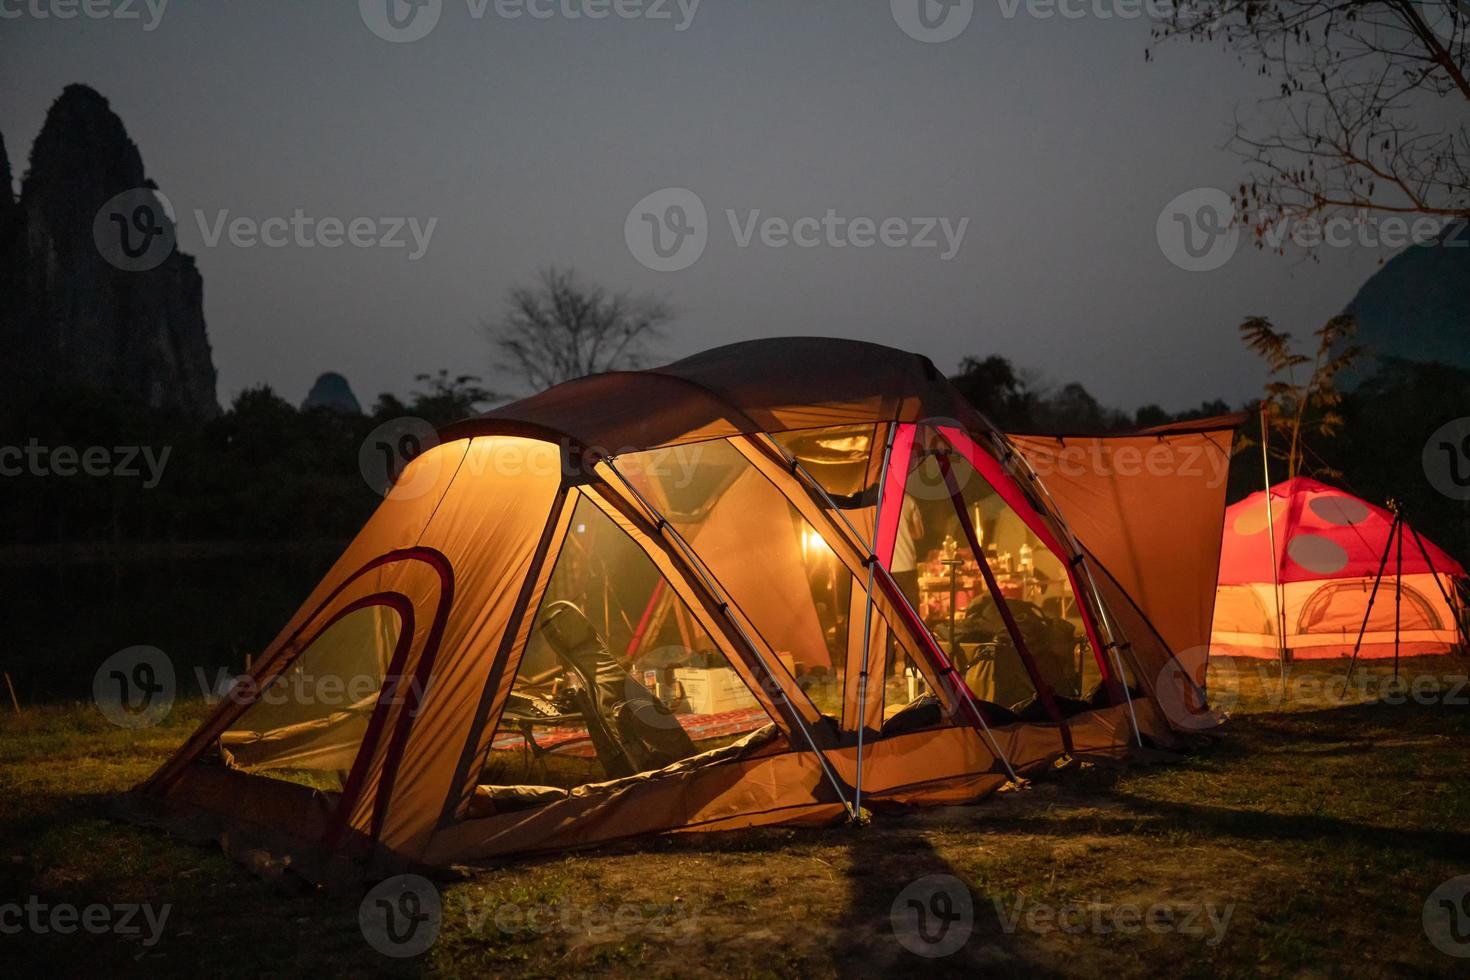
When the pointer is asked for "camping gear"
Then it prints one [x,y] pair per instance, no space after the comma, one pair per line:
[735,513]
[1352,576]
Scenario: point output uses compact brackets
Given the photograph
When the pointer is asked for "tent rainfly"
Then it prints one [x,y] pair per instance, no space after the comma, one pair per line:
[709,596]
[1350,575]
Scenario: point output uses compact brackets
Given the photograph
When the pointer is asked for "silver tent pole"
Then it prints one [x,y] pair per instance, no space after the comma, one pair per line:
[868,611]
[713,586]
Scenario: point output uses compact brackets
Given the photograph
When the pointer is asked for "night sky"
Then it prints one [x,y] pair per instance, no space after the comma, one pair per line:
[527,141]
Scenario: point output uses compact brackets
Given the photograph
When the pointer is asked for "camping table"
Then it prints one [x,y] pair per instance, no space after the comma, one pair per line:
[526,722]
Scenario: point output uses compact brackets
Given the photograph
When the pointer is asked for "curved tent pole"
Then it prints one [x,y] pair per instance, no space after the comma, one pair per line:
[712,585]
[1110,629]
[915,624]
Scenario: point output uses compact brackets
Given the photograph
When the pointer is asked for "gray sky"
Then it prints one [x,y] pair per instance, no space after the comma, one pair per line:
[529,140]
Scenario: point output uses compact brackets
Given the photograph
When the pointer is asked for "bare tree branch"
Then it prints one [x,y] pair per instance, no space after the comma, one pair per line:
[560,328]
[1371,113]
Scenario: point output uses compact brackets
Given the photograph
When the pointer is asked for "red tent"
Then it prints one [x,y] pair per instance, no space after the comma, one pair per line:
[1329,546]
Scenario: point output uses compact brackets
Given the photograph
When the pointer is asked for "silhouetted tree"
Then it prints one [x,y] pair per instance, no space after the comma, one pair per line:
[995,387]
[448,399]
[1308,407]
[1151,415]
[561,328]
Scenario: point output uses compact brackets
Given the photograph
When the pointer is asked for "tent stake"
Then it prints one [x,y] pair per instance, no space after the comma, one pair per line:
[11,688]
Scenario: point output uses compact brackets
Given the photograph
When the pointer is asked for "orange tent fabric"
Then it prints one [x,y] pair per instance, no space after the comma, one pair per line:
[552,638]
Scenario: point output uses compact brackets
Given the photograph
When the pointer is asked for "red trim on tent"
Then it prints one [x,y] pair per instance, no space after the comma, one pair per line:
[893,489]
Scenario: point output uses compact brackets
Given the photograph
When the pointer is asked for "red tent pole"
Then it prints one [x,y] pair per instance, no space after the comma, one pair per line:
[637,639]
[1377,579]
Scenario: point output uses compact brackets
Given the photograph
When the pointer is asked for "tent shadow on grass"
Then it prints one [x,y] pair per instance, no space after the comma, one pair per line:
[878,872]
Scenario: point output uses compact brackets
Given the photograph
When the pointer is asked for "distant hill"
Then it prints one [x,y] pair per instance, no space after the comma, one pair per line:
[94,292]
[1417,307]
[331,392]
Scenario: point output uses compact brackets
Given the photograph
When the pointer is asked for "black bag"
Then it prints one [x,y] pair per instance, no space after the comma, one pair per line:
[1051,639]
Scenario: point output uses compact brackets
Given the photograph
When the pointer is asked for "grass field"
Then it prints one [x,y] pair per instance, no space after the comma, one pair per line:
[1304,843]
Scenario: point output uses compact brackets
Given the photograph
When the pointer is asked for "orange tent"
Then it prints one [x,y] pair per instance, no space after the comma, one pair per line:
[778,581]
[1333,556]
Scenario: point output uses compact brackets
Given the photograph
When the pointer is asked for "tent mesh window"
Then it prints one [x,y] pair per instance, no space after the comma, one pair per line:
[618,677]
[935,564]
[306,724]
[838,457]
[1338,608]
[776,568]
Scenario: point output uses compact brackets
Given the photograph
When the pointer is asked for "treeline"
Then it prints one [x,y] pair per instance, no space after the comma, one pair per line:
[82,465]
[265,470]
[1016,401]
